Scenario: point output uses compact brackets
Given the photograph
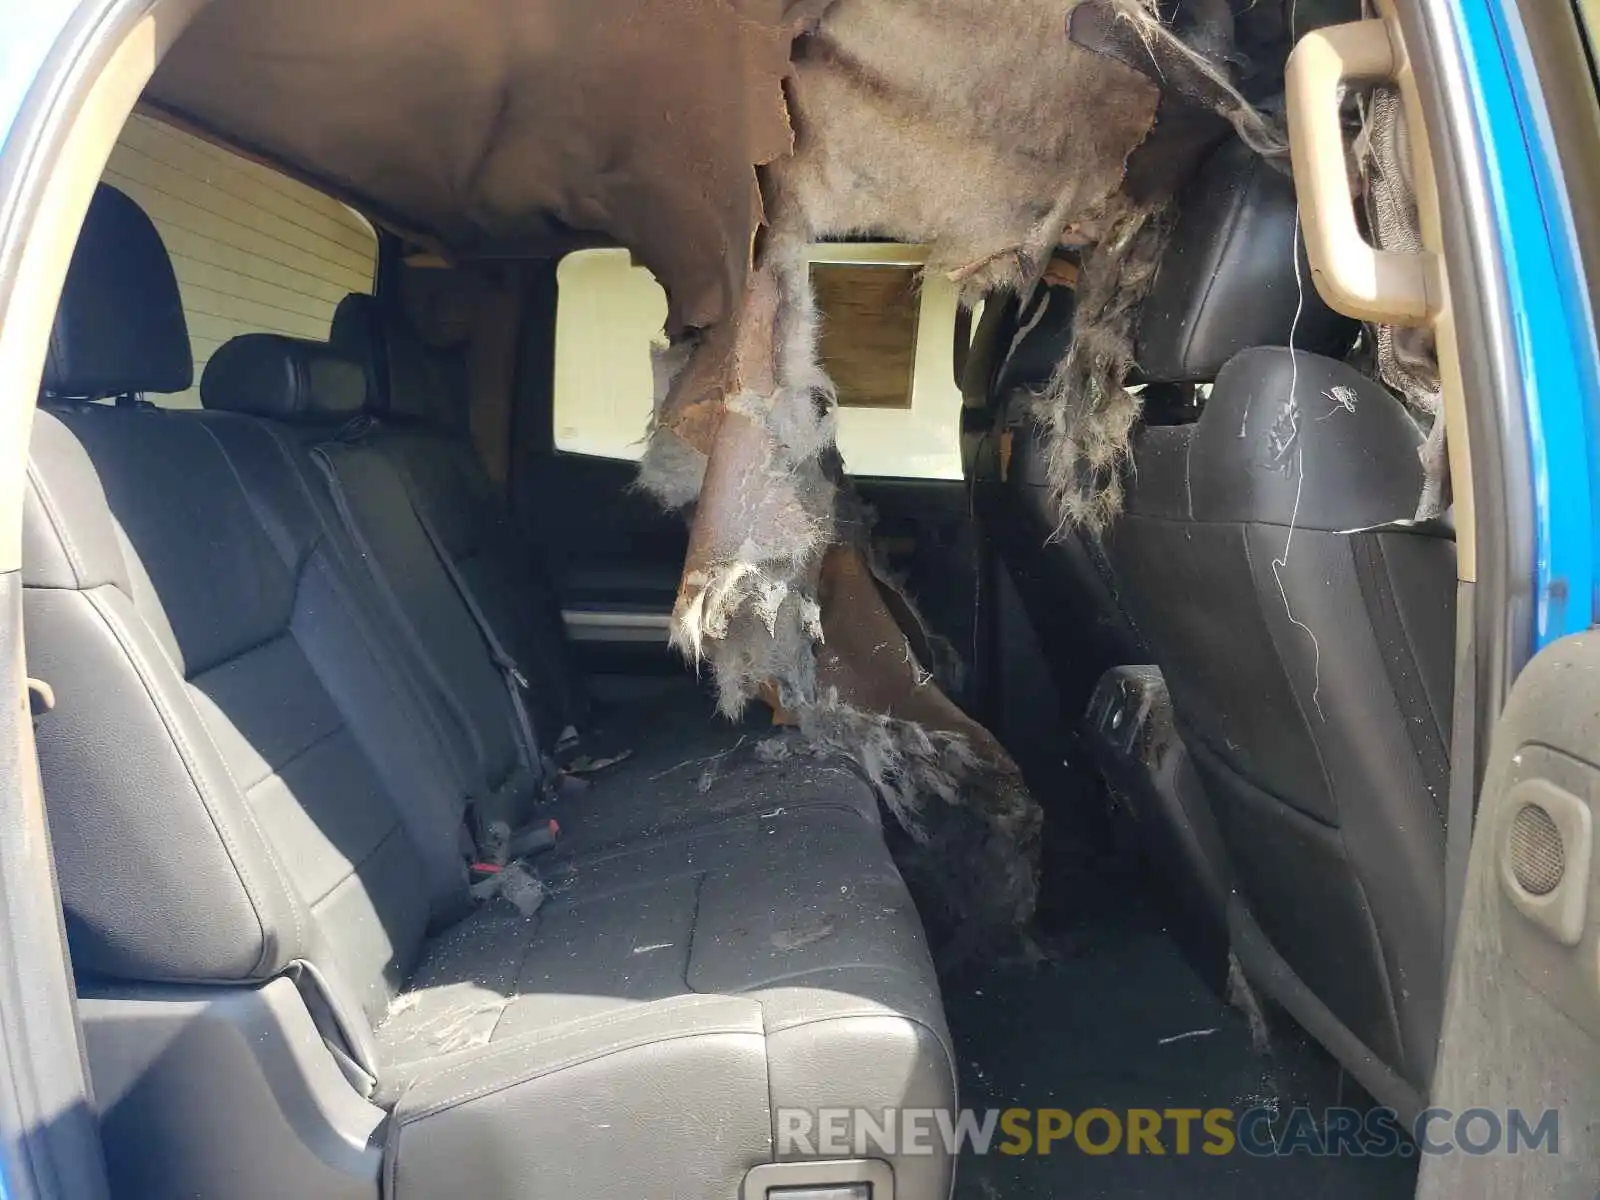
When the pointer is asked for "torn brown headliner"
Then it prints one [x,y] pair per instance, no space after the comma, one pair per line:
[502,126]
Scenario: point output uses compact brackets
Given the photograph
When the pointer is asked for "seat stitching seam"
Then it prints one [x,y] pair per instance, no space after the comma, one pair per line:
[1188,474]
[516,981]
[603,853]
[766,1067]
[694,930]
[399,677]
[790,976]
[271,853]
[520,721]
[918,1022]
[294,564]
[384,586]
[1368,911]
[1391,1006]
[355,868]
[276,770]
[1368,556]
[404,689]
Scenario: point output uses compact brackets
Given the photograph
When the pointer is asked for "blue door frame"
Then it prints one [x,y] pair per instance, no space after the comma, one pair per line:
[1553,324]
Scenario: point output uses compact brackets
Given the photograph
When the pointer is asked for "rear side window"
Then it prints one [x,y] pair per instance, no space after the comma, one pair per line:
[254,250]
[888,340]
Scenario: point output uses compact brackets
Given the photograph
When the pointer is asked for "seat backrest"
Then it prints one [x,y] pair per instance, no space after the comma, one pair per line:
[1226,282]
[1304,627]
[287,381]
[1306,632]
[215,797]
[409,386]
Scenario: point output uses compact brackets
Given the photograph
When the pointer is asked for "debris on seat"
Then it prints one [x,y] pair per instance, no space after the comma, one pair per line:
[1407,358]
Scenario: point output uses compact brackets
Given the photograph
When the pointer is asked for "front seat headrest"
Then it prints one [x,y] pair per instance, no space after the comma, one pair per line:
[284,378]
[120,327]
[1227,281]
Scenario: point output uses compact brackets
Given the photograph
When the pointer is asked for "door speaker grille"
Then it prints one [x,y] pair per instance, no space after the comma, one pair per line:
[1538,859]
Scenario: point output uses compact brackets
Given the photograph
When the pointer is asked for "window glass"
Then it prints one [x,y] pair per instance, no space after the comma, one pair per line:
[254,251]
[887,340]
[608,316]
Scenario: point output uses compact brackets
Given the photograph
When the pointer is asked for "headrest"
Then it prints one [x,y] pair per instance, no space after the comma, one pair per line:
[357,334]
[1228,279]
[405,379]
[1044,331]
[427,384]
[120,327]
[287,379]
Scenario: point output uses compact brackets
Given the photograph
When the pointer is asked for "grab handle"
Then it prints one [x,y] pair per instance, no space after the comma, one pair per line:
[1351,274]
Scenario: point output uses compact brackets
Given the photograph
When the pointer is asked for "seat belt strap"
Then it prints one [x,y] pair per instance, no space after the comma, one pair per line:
[516,682]
[380,578]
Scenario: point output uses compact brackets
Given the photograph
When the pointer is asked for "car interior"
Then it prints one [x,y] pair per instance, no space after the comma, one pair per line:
[335,647]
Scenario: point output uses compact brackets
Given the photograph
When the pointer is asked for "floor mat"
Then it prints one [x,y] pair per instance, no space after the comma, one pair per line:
[1116,1020]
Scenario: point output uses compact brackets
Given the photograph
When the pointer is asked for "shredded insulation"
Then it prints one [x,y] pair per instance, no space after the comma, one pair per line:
[1407,359]
[994,132]
[717,141]
[1086,415]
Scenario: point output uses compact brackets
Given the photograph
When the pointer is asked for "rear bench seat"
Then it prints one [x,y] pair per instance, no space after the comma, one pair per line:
[365,473]
[255,815]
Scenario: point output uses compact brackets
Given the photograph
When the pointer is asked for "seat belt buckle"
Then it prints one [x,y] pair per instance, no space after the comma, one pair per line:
[517,677]
[512,882]
[534,838]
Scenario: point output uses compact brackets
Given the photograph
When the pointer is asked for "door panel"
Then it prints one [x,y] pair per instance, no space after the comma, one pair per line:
[617,557]
[614,555]
[1522,1017]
